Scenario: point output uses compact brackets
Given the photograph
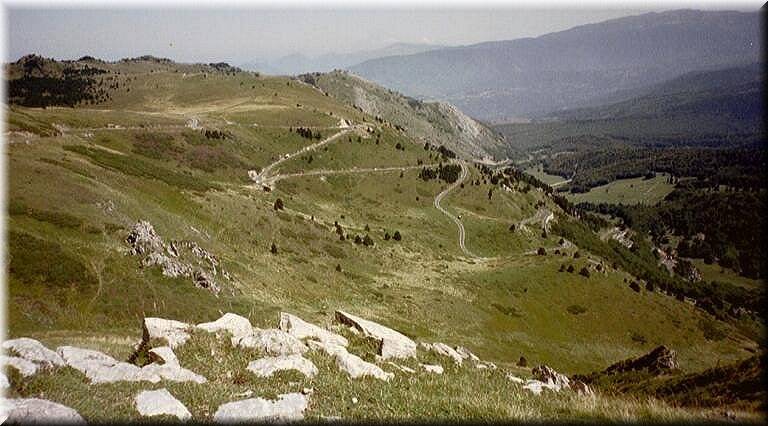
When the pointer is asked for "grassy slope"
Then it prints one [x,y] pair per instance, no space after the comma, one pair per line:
[627,191]
[420,285]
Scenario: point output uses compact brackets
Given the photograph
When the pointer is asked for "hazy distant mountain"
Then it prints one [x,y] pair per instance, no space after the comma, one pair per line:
[498,81]
[731,94]
[298,64]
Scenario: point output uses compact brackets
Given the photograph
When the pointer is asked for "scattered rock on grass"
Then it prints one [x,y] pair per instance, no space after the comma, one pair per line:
[238,326]
[581,388]
[548,375]
[170,369]
[444,350]
[266,367]
[161,402]
[288,407]
[393,344]
[174,333]
[432,368]
[32,350]
[271,342]
[102,368]
[301,329]
[356,367]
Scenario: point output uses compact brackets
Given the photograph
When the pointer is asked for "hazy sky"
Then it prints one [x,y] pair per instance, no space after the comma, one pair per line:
[240,35]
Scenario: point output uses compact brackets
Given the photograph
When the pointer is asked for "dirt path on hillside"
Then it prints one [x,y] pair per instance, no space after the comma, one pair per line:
[264,178]
[456,220]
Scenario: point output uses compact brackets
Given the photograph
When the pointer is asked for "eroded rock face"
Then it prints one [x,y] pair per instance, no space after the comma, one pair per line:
[174,333]
[32,350]
[37,411]
[301,329]
[329,348]
[268,366]
[271,342]
[160,402]
[288,407]
[658,361]
[143,239]
[199,265]
[235,324]
[548,375]
[393,344]
[536,387]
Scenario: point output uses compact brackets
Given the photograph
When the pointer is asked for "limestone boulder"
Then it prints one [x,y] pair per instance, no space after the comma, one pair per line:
[174,333]
[445,350]
[32,350]
[301,329]
[235,324]
[37,411]
[392,344]
[356,367]
[466,353]
[659,360]
[272,342]
[288,407]
[268,366]
[25,367]
[548,375]
[432,368]
[102,368]
[161,402]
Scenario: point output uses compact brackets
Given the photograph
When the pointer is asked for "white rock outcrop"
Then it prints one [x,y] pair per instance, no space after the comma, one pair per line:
[102,368]
[161,402]
[548,375]
[393,344]
[432,368]
[444,350]
[4,382]
[271,342]
[356,367]
[174,333]
[301,329]
[24,366]
[268,366]
[237,325]
[37,411]
[32,350]
[169,368]
[466,353]
[288,407]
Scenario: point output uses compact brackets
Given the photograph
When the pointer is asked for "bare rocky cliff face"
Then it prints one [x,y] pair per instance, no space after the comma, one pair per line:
[436,123]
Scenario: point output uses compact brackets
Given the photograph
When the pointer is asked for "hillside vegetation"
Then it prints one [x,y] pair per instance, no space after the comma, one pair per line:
[217,161]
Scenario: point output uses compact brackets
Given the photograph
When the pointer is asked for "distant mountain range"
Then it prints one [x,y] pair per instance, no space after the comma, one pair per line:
[734,94]
[299,64]
[505,80]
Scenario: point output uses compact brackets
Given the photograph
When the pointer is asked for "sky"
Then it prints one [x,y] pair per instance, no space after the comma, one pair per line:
[238,34]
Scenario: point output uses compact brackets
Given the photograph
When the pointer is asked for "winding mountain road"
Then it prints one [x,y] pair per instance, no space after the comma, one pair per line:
[456,220]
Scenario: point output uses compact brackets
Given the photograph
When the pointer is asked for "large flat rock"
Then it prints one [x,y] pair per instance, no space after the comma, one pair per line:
[356,367]
[174,333]
[37,411]
[301,329]
[32,350]
[288,407]
[161,402]
[393,344]
[99,367]
[272,342]
[268,366]
[235,324]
